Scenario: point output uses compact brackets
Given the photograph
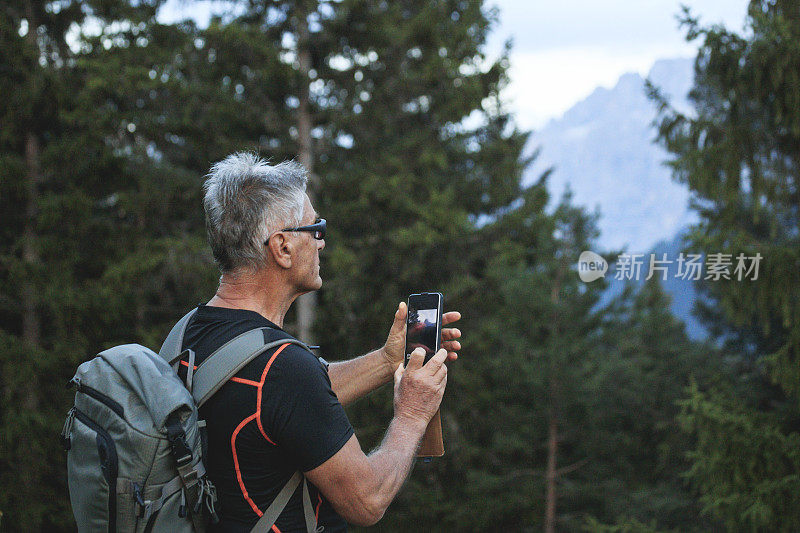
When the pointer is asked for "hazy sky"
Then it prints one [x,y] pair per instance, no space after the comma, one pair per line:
[564,49]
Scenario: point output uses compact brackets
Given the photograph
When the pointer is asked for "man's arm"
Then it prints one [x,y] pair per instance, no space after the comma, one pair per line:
[356,378]
[361,487]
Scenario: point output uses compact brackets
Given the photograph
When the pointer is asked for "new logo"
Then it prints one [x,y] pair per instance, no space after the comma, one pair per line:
[591,266]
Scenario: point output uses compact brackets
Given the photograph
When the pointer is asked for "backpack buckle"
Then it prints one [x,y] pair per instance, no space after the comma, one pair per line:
[177,442]
[181,451]
[210,501]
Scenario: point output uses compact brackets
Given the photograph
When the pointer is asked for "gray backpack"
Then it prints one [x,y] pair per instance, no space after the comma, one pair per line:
[135,444]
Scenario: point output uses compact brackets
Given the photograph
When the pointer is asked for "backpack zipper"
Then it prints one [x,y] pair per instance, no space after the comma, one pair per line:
[99,396]
[140,501]
[137,496]
[66,438]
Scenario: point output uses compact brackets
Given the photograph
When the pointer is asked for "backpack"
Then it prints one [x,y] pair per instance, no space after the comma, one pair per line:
[135,443]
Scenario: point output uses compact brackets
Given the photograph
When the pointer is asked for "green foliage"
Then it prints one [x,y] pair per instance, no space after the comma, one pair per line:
[745,465]
[635,451]
[94,240]
[400,81]
[534,327]
[739,156]
[404,178]
[624,525]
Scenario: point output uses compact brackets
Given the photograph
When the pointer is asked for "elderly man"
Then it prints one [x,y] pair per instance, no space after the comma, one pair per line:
[283,413]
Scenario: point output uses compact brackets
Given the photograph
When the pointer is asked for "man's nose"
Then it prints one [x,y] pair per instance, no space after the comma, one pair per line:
[321,244]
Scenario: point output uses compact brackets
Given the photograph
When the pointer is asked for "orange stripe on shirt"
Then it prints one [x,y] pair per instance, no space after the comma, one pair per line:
[245,381]
[236,431]
[260,388]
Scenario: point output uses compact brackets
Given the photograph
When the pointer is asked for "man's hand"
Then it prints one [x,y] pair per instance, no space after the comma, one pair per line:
[396,341]
[418,388]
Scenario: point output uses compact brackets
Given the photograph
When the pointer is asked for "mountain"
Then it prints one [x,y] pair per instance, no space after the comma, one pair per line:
[602,149]
[682,292]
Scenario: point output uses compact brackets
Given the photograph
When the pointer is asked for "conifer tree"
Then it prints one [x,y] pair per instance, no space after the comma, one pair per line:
[739,154]
[400,168]
[643,364]
[516,402]
[56,172]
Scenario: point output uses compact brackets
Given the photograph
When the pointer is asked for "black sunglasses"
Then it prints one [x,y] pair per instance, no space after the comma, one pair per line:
[317,229]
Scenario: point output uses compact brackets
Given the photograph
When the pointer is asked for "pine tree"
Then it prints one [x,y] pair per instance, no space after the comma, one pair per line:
[56,173]
[515,401]
[399,168]
[404,180]
[642,366]
[745,462]
[739,155]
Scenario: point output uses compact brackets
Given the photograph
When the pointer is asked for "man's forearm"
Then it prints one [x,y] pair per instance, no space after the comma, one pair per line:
[361,487]
[353,379]
[392,461]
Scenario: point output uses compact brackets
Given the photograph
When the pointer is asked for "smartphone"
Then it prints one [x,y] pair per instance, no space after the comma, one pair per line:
[424,323]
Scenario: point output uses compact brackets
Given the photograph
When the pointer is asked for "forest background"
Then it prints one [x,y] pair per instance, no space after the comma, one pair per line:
[565,412]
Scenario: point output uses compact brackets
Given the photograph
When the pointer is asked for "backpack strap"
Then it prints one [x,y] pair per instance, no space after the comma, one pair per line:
[231,357]
[274,510]
[308,509]
[151,507]
[171,349]
[190,476]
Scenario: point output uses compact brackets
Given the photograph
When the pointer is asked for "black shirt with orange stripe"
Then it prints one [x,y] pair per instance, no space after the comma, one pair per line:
[278,415]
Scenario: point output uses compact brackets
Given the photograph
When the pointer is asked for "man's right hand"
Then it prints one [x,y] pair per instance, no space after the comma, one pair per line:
[418,388]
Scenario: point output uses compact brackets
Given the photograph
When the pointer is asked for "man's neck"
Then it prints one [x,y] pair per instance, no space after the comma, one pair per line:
[257,292]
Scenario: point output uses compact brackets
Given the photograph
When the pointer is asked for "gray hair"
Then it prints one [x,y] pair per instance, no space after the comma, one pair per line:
[245,200]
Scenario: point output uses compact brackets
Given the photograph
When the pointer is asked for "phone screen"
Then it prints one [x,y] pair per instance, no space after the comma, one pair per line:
[423,323]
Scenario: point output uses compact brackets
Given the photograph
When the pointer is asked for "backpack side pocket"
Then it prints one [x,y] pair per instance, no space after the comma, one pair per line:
[93,463]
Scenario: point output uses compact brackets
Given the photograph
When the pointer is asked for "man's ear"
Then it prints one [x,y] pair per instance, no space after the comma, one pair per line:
[281,250]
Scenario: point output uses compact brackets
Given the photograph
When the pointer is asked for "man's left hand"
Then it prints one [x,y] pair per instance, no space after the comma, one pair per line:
[396,341]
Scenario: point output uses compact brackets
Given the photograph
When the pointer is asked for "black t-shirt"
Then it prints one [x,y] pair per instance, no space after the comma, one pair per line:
[278,415]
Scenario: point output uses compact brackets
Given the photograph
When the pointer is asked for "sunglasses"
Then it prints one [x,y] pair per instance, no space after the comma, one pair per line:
[317,229]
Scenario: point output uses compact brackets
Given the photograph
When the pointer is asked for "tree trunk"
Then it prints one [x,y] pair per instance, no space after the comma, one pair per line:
[29,406]
[31,322]
[307,303]
[551,474]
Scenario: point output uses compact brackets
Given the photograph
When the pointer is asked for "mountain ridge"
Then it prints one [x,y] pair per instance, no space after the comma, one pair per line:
[602,150]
